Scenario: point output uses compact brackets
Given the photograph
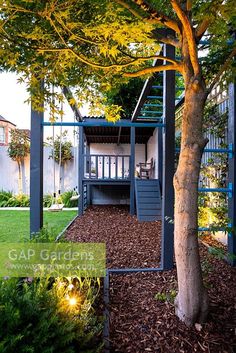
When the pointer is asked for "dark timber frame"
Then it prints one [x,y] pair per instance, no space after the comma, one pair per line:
[232,173]
[166,152]
[36,170]
[168,161]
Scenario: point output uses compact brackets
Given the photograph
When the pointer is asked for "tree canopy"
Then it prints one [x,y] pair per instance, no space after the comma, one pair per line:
[94,43]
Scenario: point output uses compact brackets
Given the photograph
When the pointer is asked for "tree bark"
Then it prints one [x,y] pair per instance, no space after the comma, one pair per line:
[192,300]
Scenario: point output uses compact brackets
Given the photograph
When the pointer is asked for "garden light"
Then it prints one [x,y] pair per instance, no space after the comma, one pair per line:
[72,301]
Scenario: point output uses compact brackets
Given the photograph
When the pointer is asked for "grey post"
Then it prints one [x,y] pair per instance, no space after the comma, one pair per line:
[160,156]
[132,171]
[36,170]
[81,171]
[168,164]
[232,173]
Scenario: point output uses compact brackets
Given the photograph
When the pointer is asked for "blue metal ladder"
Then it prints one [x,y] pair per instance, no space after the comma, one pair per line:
[148,199]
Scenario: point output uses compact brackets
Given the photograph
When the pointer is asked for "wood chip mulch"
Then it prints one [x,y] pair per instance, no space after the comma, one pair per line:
[128,242]
[139,322]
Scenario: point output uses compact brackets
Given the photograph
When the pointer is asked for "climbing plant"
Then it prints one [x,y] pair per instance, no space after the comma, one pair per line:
[213,207]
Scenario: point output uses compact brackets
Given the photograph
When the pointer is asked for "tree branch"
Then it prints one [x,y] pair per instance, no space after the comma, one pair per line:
[201,28]
[76,36]
[189,35]
[221,71]
[167,40]
[86,61]
[129,8]
[157,17]
[153,69]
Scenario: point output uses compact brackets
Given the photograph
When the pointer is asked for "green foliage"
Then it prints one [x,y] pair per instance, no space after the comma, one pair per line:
[19,146]
[93,44]
[125,96]
[47,200]
[36,316]
[217,252]
[65,197]
[168,296]
[215,122]
[213,207]
[4,197]
[62,148]
[7,199]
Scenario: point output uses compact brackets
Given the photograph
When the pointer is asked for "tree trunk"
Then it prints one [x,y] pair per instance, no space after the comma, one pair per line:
[19,178]
[192,299]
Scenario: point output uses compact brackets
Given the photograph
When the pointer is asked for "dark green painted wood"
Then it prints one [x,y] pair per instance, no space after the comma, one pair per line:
[167,247]
[81,171]
[132,170]
[148,199]
[232,173]
[36,170]
[150,218]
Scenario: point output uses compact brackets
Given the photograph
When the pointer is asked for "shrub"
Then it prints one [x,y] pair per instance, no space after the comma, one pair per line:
[47,200]
[20,200]
[4,197]
[65,197]
[36,316]
[7,199]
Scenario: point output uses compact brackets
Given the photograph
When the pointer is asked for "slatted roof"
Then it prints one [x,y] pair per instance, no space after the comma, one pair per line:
[101,134]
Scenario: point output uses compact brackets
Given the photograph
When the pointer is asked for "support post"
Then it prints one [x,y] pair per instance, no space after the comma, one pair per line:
[132,171]
[160,156]
[36,170]
[81,170]
[232,174]
[168,164]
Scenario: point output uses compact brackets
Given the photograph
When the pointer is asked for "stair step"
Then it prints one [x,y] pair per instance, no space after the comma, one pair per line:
[148,206]
[148,199]
[148,188]
[149,218]
[148,193]
[151,200]
[151,212]
[150,181]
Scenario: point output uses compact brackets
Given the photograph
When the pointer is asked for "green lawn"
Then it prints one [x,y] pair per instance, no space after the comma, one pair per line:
[14,225]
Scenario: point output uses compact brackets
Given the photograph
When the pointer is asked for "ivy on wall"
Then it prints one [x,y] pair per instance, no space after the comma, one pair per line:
[214,170]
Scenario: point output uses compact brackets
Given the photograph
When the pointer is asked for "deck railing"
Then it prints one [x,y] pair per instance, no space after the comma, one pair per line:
[106,167]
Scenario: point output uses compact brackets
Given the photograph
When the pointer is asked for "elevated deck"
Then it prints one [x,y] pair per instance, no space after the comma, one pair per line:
[106,169]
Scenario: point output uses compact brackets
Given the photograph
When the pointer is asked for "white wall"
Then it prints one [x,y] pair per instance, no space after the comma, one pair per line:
[152,151]
[9,172]
[70,172]
[9,169]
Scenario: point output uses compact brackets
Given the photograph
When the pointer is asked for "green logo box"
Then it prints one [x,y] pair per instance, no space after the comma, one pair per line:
[54,259]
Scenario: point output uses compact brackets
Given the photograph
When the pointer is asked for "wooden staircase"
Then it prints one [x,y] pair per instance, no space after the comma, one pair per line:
[148,199]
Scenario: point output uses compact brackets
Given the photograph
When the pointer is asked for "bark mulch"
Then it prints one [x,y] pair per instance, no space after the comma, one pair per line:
[142,317]
[128,242]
